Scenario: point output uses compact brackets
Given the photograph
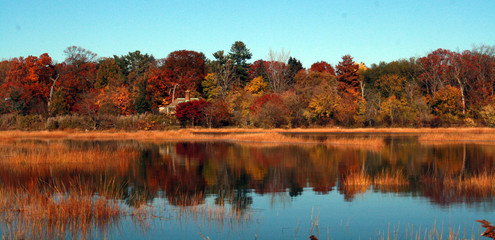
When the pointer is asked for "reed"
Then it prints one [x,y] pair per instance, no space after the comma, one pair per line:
[373,143]
[481,184]
[393,181]
[457,137]
[195,134]
[34,215]
[355,183]
[208,213]
[419,233]
[22,156]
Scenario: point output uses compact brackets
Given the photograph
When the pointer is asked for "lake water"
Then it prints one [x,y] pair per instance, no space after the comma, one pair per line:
[222,190]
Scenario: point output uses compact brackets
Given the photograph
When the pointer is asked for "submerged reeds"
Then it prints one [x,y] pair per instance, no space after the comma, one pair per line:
[390,180]
[32,214]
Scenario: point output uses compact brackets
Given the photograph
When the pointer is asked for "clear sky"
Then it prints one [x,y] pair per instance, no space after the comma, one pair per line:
[370,31]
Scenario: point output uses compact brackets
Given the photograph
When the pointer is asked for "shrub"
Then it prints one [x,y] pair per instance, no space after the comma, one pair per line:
[488,115]
[69,122]
[269,111]
[192,112]
[30,122]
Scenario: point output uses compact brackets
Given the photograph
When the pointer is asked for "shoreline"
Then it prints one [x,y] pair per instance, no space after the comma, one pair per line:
[257,135]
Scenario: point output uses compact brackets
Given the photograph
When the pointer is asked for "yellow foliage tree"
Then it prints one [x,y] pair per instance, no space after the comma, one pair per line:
[447,104]
[395,111]
[210,86]
[257,86]
[322,106]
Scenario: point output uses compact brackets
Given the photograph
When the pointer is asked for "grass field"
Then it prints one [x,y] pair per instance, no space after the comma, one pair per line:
[427,135]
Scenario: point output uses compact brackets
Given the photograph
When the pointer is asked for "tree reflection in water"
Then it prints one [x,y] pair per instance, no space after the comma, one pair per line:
[186,173]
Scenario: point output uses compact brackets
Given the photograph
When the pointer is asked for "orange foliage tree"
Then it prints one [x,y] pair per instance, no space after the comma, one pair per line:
[27,84]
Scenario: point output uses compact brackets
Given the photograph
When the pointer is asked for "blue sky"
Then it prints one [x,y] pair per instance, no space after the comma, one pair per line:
[370,31]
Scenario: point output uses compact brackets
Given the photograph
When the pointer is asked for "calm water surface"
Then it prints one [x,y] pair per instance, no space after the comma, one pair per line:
[218,190]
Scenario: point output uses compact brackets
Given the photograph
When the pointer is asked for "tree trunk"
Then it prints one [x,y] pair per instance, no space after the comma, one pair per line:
[461,87]
[52,89]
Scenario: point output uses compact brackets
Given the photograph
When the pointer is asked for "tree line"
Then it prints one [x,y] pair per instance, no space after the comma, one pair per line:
[443,88]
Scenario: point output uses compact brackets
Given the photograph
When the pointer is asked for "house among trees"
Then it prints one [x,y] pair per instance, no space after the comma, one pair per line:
[170,109]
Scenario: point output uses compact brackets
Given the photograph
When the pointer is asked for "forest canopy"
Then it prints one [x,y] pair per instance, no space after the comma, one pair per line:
[443,88]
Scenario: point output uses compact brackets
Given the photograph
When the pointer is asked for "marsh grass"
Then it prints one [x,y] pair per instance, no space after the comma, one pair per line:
[252,135]
[481,184]
[457,137]
[44,156]
[390,180]
[422,233]
[355,183]
[53,215]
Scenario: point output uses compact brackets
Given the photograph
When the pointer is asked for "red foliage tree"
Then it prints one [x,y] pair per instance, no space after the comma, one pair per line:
[347,76]
[216,114]
[258,68]
[260,101]
[27,84]
[192,111]
[76,80]
[435,67]
[322,67]
[159,86]
[185,68]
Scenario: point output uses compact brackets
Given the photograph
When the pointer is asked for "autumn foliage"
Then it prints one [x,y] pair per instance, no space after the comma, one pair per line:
[442,88]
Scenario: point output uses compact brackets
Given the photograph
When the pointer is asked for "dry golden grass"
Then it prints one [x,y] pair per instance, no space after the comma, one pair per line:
[213,213]
[20,155]
[412,233]
[482,184]
[375,143]
[355,183]
[244,136]
[54,215]
[390,181]
[458,137]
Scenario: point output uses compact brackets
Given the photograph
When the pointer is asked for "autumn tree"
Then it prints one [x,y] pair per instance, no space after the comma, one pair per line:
[351,108]
[322,66]
[361,70]
[192,112]
[390,85]
[210,86]
[447,105]
[27,84]
[108,73]
[58,105]
[238,103]
[322,107]
[77,74]
[257,86]
[347,76]
[76,55]
[310,84]
[135,67]
[115,100]
[258,68]
[159,86]
[225,78]
[277,80]
[216,113]
[269,111]
[434,70]
[4,69]
[186,69]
